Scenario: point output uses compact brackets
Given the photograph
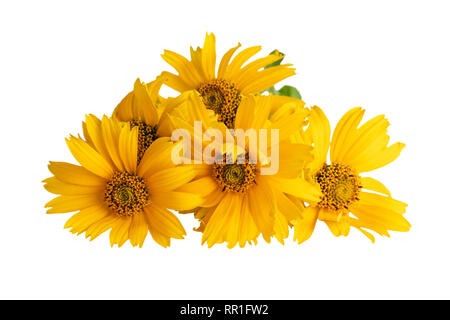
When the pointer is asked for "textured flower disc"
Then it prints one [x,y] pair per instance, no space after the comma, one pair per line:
[340,186]
[235,177]
[126,194]
[146,135]
[223,98]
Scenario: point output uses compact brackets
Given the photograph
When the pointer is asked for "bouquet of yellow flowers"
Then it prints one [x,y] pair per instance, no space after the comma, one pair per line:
[240,156]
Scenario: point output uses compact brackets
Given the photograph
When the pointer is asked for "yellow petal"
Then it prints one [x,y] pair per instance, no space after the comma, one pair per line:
[157,157]
[128,147]
[381,159]
[239,60]
[119,231]
[304,228]
[102,225]
[319,132]
[138,230]
[297,187]
[248,231]
[111,132]
[94,129]
[245,114]
[209,56]
[186,70]
[253,67]
[124,110]
[176,200]
[175,82]
[374,185]
[212,199]
[266,79]
[364,137]
[219,222]
[339,228]
[373,199]
[286,207]
[344,133]
[280,227]
[159,238]
[202,186]
[80,221]
[89,158]
[292,158]
[382,212]
[73,174]
[144,105]
[56,186]
[262,206]
[63,204]
[223,66]
[170,179]
[164,221]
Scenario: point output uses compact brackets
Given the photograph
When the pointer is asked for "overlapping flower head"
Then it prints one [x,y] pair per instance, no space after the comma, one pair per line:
[222,91]
[243,163]
[353,150]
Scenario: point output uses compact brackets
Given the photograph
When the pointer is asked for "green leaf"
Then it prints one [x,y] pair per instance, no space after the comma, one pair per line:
[287,91]
[290,91]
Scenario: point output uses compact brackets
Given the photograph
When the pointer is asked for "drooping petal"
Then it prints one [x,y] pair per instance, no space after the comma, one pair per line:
[138,230]
[163,224]
[80,221]
[119,231]
[262,206]
[304,228]
[101,226]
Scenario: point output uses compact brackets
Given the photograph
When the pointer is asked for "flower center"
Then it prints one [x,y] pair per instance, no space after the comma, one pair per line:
[223,98]
[126,194]
[146,135]
[235,177]
[340,186]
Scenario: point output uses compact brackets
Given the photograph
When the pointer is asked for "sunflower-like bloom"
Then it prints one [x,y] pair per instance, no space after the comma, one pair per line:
[111,191]
[240,202]
[222,92]
[142,108]
[346,201]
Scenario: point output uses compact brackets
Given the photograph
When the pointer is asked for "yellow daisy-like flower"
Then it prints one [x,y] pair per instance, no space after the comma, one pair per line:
[240,202]
[142,108]
[353,151]
[111,191]
[222,92]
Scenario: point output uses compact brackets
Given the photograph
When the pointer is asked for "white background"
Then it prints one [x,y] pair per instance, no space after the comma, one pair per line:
[62,59]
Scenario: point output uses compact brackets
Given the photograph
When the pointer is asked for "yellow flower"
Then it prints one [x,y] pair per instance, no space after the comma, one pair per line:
[142,108]
[111,191]
[240,202]
[222,91]
[353,151]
